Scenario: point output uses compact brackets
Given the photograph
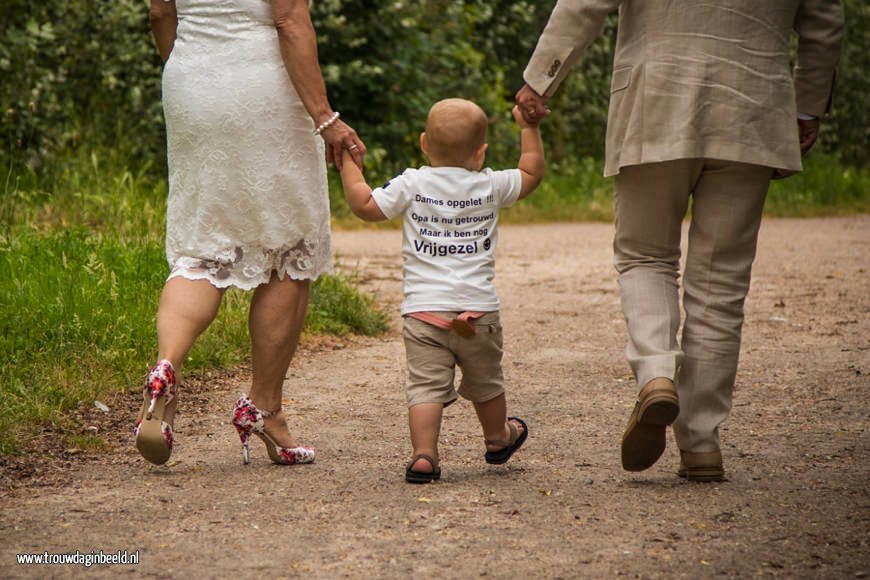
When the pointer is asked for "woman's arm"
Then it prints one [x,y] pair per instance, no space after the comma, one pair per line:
[164,22]
[299,51]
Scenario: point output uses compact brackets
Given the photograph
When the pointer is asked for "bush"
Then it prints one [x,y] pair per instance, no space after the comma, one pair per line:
[78,72]
[846,132]
[85,73]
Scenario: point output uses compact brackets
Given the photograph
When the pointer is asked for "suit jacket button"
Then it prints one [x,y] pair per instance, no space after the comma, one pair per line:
[554,68]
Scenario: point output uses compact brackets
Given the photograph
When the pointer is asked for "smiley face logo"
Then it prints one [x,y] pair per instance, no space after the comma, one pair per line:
[486,244]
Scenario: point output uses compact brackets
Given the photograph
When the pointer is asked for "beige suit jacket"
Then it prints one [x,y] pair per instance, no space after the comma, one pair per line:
[698,78]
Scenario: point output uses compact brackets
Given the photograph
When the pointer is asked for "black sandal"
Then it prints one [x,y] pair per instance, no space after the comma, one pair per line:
[511,446]
[412,476]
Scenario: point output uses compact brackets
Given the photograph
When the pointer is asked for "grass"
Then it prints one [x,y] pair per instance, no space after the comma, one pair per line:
[81,269]
[77,321]
[824,188]
[82,265]
[88,190]
[569,192]
[577,191]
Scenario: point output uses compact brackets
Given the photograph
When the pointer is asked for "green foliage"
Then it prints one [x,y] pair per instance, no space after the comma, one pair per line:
[386,63]
[76,315]
[82,157]
[81,269]
[90,187]
[74,72]
[847,131]
[337,308]
[573,190]
[824,187]
[77,320]
[85,72]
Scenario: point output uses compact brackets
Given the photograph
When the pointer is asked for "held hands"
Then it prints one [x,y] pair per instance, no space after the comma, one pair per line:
[340,137]
[532,106]
[521,120]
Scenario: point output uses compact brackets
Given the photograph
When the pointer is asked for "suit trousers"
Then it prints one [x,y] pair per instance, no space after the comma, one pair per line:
[651,201]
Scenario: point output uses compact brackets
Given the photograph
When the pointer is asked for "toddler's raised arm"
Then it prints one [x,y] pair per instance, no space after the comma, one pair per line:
[358,193]
[531,162]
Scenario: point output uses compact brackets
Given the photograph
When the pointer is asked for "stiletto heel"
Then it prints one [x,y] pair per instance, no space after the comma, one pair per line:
[244,436]
[247,419]
[154,436]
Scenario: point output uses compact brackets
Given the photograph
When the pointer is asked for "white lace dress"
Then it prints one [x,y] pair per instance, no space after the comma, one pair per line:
[247,178]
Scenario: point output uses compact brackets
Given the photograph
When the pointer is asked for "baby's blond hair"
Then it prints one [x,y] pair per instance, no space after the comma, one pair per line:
[455,131]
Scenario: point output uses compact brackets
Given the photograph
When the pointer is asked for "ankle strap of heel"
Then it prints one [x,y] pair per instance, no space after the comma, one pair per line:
[270,413]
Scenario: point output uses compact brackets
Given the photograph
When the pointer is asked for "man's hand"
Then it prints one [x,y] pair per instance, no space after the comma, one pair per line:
[533,106]
[808,132]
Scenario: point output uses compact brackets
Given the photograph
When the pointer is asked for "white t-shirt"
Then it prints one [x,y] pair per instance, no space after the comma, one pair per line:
[449,224]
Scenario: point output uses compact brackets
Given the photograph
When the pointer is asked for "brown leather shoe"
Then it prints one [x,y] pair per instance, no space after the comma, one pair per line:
[644,439]
[705,466]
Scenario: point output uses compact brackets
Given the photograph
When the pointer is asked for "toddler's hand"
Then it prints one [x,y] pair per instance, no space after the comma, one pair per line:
[521,120]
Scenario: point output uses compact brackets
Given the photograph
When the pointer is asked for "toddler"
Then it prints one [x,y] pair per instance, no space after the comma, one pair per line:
[449,216]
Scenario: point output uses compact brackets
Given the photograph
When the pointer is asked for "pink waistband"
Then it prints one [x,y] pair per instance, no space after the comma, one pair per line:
[463,324]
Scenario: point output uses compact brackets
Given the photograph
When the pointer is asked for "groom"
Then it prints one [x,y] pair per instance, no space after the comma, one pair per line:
[703,105]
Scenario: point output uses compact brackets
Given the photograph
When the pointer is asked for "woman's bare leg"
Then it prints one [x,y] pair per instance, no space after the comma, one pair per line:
[187,308]
[276,318]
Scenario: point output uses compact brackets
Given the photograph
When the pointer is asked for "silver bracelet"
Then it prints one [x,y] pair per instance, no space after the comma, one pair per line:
[327,123]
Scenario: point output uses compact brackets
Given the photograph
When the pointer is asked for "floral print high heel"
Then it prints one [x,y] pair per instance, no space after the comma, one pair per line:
[248,419]
[154,435]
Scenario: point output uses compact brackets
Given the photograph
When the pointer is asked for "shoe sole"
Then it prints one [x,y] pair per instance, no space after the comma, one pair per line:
[412,476]
[272,450]
[419,477]
[502,456]
[645,442]
[659,410]
[151,444]
[150,441]
[702,474]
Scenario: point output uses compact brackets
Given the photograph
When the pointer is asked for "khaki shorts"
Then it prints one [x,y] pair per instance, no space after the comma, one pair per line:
[434,353]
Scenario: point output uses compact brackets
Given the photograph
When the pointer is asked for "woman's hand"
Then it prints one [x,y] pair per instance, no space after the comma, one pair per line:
[164,22]
[341,137]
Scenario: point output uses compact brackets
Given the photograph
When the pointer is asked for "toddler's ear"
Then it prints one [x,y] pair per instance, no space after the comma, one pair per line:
[480,154]
[423,145]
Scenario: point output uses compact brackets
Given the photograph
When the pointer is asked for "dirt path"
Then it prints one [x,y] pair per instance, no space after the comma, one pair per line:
[796,447]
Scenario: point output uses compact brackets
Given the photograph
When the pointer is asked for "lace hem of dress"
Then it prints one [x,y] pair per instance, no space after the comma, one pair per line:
[247,268]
